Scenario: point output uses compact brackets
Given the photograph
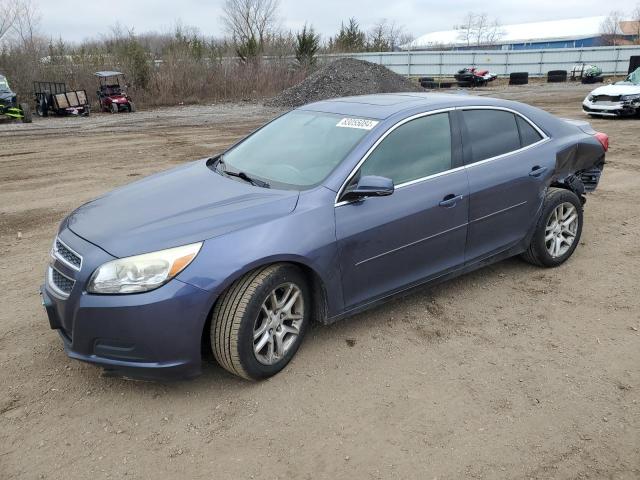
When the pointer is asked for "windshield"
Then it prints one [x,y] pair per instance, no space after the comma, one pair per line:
[4,85]
[634,77]
[299,149]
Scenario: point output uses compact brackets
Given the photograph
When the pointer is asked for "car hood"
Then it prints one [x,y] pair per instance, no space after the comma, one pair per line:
[184,205]
[617,89]
[6,95]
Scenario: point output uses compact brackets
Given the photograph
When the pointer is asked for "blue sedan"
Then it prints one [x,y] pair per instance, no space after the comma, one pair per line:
[325,211]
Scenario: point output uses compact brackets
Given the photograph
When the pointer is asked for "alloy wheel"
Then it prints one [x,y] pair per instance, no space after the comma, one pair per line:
[277,327]
[561,229]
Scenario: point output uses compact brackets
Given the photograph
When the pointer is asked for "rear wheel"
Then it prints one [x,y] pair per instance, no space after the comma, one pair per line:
[42,109]
[132,107]
[114,108]
[558,229]
[259,322]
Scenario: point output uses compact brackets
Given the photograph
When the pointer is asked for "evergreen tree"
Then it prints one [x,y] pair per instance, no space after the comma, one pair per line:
[307,45]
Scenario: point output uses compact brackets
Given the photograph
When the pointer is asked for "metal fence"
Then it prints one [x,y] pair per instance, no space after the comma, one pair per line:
[612,60]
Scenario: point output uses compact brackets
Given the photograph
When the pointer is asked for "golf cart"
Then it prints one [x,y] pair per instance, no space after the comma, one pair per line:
[112,96]
[9,107]
[53,97]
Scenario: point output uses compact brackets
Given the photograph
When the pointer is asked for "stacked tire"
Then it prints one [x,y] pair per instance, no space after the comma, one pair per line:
[519,78]
[557,76]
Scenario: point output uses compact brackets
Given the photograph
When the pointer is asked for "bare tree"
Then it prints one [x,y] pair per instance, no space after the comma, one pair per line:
[478,29]
[610,28]
[7,17]
[26,23]
[385,36]
[635,18]
[250,21]
[466,28]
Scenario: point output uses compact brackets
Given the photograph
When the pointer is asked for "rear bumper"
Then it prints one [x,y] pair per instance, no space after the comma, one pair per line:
[152,336]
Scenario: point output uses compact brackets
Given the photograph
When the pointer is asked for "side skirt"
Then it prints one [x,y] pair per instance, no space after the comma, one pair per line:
[510,252]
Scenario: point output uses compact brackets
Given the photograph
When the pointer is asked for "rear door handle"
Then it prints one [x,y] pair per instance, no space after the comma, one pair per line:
[450,200]
[537,171]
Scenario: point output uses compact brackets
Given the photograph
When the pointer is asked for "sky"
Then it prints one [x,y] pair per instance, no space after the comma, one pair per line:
[76,20]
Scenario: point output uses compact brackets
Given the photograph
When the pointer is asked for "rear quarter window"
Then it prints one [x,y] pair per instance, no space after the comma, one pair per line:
[528,134]
[491,133]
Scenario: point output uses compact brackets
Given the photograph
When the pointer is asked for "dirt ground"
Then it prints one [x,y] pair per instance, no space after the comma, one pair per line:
[510,372]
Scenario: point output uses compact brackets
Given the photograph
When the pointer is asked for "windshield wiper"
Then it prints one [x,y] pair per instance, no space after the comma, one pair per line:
[241,175]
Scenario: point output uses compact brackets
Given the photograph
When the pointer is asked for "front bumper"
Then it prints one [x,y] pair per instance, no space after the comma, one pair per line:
[610,109]
[154,335]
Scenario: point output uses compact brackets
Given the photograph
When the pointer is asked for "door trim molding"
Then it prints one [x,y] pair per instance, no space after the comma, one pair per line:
[416,242]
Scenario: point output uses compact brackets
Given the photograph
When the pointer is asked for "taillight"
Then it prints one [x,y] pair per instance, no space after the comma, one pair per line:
[603,138]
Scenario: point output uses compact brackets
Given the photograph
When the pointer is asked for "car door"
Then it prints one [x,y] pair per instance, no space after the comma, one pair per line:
[388,243]
[508,168]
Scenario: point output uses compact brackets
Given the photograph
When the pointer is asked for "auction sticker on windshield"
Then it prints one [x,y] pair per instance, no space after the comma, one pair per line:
[361,123]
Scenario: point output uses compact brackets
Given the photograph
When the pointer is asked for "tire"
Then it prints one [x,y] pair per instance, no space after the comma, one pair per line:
[519,78]
[42,109]
[239,312]
[557,76]
[538,251]
[114,108]
[132,107]
[588,80]
[26,113]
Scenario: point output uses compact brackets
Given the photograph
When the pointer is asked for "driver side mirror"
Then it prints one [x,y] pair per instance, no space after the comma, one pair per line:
[368,186]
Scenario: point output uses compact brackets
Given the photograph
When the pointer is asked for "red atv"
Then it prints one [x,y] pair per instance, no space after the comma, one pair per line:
[111,96]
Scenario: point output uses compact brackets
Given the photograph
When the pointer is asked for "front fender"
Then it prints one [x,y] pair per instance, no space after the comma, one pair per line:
[224,259]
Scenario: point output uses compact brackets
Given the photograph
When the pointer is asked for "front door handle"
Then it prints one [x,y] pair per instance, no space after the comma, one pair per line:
[450,200]
[537,171]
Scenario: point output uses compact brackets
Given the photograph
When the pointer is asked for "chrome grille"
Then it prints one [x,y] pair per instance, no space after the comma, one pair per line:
[606,98]
[66,255]
[61,284]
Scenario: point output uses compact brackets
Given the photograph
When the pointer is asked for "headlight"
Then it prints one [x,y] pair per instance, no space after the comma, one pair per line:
[626,98]
[590,98]
[142,272]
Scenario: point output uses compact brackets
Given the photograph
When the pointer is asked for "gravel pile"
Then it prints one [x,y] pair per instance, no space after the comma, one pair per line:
[343,78]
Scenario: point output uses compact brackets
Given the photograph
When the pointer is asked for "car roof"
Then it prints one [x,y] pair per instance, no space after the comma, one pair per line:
[108,73]
[384,105]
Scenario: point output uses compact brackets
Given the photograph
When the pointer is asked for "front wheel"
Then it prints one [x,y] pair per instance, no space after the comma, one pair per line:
[558,229]
[259,322]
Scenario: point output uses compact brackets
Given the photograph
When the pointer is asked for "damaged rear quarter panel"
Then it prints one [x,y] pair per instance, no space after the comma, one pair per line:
[582,160]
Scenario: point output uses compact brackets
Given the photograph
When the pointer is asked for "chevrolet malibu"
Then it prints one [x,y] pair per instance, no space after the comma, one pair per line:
[325,211]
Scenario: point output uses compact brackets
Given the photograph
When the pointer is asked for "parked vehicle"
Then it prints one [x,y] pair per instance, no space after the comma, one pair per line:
[474,77]
[587,73]
[326,211]
[10,109]
[112,96]
[53,97]
[620,99]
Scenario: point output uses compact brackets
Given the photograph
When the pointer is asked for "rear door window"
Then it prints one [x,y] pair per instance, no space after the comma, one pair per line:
[491,133]
[528,134]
